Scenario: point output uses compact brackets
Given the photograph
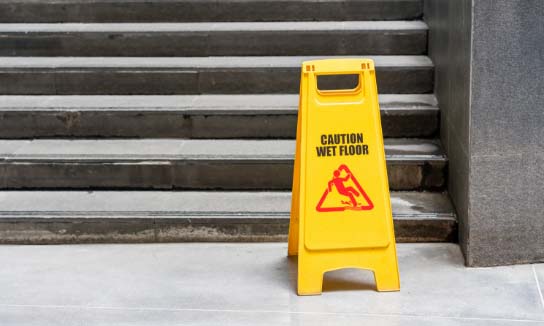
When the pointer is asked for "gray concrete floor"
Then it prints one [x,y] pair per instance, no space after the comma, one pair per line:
[253,284]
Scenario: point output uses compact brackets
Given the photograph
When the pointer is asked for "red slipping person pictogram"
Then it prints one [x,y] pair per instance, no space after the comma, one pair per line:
[344,193]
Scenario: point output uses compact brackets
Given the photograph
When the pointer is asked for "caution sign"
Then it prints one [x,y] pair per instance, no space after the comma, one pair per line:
[345,193]
[341,212]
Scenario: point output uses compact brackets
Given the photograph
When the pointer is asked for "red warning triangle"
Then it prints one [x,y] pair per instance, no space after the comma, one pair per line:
[344,192]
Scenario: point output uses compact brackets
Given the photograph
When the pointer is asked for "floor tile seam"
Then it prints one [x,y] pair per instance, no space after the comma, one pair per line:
[541,295]
[242,311]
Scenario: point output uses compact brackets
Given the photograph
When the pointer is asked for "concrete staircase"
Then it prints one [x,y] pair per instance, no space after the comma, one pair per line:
[174,120]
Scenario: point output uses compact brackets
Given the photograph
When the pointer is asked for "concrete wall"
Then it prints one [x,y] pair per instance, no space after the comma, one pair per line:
[489,57]
[507,133]
[450,49]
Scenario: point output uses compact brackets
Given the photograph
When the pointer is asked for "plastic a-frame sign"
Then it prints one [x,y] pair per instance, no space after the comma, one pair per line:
[341,211]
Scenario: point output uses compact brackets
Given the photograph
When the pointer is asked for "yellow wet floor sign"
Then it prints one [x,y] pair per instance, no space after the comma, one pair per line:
[341,211]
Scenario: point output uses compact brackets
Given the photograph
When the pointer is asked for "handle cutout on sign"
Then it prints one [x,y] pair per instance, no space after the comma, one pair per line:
[338,83]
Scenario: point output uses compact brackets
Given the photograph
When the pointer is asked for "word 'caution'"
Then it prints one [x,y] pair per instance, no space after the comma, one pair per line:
[342,145]
[341,211]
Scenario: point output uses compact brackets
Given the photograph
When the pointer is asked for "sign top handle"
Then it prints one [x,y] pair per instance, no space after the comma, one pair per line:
[337,66]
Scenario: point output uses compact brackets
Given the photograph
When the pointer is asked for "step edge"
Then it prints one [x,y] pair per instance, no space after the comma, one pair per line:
[189,102]
[377,26]
[189,216]
[195,64]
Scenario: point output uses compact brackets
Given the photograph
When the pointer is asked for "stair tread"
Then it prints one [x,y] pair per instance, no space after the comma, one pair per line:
[194,205]
[45,217]
[245,116]
[214,26]
[400,74]
[214,39]
[119,150]
[176,163]
[198,104]
[191,63]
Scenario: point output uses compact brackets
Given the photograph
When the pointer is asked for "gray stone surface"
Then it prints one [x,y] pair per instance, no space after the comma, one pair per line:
[214,39]
[450,50]
[42,217]
[252,284]
[189,75]
[32,11]
[197,62]
[208,27]
[507,133]
[188,116]
[210,103]
[193,164]
[9,147]
[490,88]
[397,150]
[47,316]
[506,209]
[539,277]
[507,103]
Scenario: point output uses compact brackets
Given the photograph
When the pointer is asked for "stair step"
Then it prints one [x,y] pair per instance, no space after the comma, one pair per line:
[214,39]
[190,116]
[44,217]
[190,75]
[34,11]
[191,164]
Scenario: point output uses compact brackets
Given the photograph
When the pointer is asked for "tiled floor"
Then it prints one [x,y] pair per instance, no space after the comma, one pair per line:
[253,284]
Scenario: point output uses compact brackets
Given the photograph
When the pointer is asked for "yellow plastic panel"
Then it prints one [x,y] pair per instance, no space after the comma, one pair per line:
[346,203]
[341,212]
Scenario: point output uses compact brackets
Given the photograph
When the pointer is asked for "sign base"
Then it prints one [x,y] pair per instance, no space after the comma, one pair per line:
[313,265]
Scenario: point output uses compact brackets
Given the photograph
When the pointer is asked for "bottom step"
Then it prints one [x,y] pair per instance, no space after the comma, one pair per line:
[48,217]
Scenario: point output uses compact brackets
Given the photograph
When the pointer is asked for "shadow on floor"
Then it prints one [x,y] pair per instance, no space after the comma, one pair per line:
[348,279]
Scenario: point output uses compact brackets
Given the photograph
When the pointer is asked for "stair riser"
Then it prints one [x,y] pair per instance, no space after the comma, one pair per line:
[235,43]
[127,81]
[194,11]
[171,124]
[194,174]
[147,230]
